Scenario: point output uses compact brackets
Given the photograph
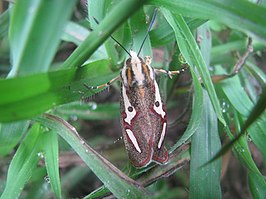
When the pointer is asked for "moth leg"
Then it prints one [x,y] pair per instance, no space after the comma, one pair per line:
[102,85]
[170,73]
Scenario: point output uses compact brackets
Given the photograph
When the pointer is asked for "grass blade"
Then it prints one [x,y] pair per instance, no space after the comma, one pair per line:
[197,109]
[191,53]
[10,135]
[50,149]
[125,8]
[89,111]
[35,34]
[232,13]
[117,182]
[257,185]
[23,163]
[46,90]
[205,181]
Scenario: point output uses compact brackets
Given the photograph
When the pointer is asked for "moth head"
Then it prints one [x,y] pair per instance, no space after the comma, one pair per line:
[134,59]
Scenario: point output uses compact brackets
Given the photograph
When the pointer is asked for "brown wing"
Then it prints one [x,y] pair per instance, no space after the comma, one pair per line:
[142,126]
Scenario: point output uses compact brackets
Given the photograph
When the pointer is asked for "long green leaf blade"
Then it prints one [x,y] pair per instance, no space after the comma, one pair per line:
[35,30]
[257,185]
[10,135]
[23,163]
[117,182]
[197,109]
[192,54]
[50,150]
[125,8]
[231,13]
[46,90]
[205,181]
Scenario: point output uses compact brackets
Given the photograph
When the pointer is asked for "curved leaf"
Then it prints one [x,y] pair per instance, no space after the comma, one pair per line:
[205,181]
[125,8]
[23,163]
[34,94]
[191,53]
[50,150]
[35,30]
[231,13]
[117,182]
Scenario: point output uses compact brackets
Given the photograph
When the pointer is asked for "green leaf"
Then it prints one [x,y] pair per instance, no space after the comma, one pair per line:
[257,111]
[50,149]
[257,134]
[240,101]
[231,13]
[139,29]
[98,10]
[46,90]
[89,111]
[235,93]
[221,54]
[10,135]
[4,19]
[257,185]
[23,163]
[258,73]
[110,23]
[117,182]
[197,109]
[205,181]
[191,53]
[75,33]
[163,34]
[35,30]
[242,152]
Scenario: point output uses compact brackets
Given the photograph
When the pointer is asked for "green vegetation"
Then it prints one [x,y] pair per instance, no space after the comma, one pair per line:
[60,140]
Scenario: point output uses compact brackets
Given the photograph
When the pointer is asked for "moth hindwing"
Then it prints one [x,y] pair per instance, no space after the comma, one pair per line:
[143,116]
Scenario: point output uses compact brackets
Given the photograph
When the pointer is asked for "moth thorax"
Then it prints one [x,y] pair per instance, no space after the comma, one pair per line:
[136,72]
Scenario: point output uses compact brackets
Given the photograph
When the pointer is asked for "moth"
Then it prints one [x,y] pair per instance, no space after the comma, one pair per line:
[143,114]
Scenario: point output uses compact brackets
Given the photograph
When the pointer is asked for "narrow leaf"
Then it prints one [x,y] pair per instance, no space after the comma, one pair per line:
[46,90]
[10,135]
[192,54]
[23,163]
[125,8]
[257,185]
[205,181]
[117,182]
[50,149]
[35,30]
[197,109]
[258,109]
[231,13]
[89,111]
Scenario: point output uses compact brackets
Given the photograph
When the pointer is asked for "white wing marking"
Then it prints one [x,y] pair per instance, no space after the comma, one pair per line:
[162,135]
[130,115]
[158,99]
[133,139]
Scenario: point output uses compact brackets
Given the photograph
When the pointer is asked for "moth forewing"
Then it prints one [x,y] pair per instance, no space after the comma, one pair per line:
[160,154]
[143,116]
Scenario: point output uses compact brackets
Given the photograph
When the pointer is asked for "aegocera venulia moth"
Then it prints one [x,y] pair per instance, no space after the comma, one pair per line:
[143,114]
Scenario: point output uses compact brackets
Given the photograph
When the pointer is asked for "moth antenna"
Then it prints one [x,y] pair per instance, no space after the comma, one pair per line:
[96,21]
[151,23]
